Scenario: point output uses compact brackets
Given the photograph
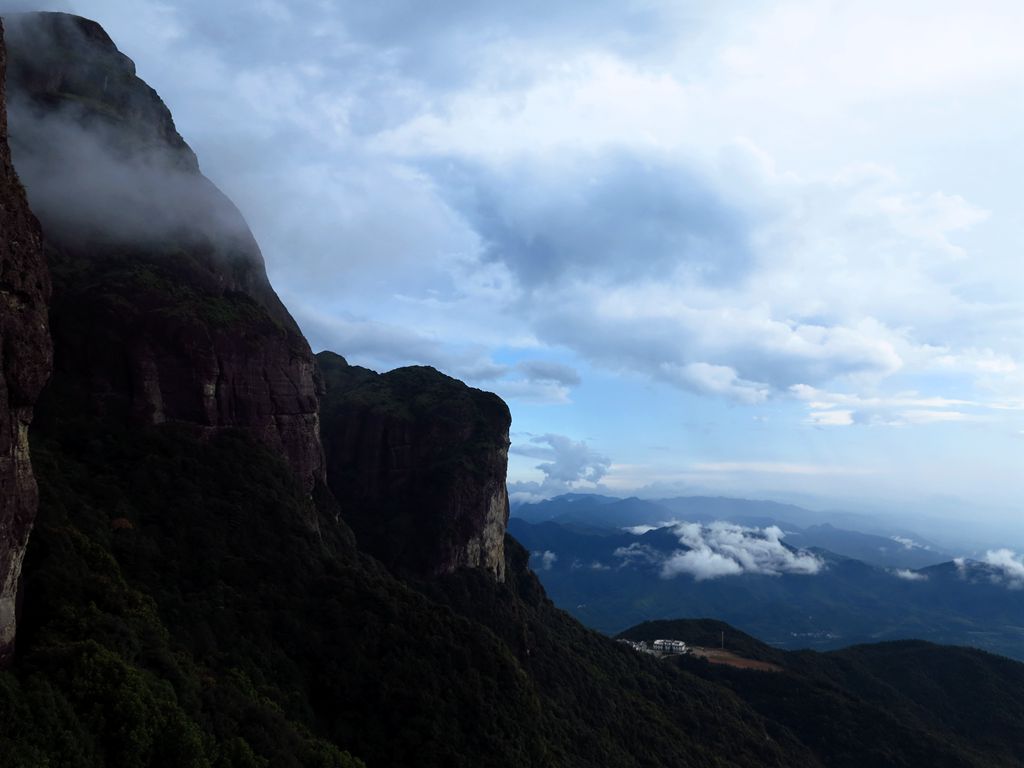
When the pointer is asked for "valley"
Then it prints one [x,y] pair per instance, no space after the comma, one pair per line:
[615,567]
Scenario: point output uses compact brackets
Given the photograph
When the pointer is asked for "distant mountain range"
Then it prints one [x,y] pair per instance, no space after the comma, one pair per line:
[803,528]
[746,571]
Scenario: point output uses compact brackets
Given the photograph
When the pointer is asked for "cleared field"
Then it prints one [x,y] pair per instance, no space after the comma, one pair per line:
[719,656]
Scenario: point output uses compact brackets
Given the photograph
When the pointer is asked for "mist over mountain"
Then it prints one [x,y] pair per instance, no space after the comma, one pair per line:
[219,550]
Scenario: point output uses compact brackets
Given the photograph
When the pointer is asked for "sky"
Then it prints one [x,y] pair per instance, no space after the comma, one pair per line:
[760,249]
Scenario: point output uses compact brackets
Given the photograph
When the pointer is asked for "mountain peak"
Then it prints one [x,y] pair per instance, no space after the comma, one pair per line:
[417,460]
[161,310]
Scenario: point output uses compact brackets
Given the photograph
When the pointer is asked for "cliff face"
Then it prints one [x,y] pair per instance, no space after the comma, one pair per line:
[417,461]
[25,356]
[162,310]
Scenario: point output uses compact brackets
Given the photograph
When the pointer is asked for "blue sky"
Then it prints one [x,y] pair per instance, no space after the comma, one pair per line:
[759,249]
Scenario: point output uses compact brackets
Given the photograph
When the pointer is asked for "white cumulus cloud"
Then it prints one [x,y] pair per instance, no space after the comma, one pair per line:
[545,560]
[908,575]
[1008,565]
[724,549]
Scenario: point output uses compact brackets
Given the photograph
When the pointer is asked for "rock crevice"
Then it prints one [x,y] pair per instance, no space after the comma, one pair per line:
[25,360]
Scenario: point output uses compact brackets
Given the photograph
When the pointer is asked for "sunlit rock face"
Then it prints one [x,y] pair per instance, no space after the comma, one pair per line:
[162,310]
[25,358]
[418,461]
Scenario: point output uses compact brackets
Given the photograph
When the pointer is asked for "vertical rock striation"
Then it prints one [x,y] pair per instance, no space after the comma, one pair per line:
[162,310]
[25,356]
[417,461]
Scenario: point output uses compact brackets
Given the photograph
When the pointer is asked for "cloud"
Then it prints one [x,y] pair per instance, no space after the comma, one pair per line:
[908,575]
[777,468]
[527,391]
[834,418]
[717,380]
[605,218]
[702,563]
[639,553]
[447,44]
[1007,567]
[594,565]
[92,178]
[582,175]
[841,409]
[383,346]
[25,6]
[567,465]
[724,549]
[655,192]
[567,462]
[909,543]
[549,371]
[640,530]
[542,381]
[726,349]
[546,559]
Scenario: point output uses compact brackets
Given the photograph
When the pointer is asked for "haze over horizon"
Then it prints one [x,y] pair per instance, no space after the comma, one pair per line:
[771,252]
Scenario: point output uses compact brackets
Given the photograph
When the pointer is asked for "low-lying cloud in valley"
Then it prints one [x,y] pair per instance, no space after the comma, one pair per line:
[908,575]
[1002,566]
[544,561]
[725,549]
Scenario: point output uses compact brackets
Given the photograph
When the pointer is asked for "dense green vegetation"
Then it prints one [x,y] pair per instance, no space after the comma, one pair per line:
[416,460]
[176,595]
[162,283]
[906,703]
[465,424]
[101,680]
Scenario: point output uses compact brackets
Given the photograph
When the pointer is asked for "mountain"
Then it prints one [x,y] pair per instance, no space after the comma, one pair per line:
[245,556]
[900,703]
[417,461]
[609,511]
[792,598]
[883,551]
[590,513]
[594,511]
[161,307]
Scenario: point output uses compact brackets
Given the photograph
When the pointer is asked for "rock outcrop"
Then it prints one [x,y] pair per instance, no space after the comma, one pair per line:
[25,357]
[417,461]
[162,310]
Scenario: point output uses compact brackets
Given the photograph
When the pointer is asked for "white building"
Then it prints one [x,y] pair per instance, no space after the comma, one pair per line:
[671,646]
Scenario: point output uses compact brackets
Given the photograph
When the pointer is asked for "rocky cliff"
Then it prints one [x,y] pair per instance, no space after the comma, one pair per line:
[162,310]
[417,461]
[24,367]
